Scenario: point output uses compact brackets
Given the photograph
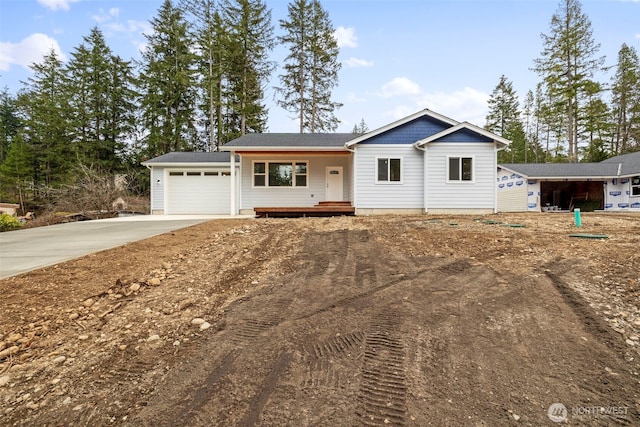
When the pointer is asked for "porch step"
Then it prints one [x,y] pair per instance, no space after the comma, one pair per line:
[335,203]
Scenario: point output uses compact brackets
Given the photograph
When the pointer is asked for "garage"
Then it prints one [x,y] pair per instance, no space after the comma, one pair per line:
[187,183]
[198,192]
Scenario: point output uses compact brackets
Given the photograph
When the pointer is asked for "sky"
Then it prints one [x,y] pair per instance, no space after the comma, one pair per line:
[398,56]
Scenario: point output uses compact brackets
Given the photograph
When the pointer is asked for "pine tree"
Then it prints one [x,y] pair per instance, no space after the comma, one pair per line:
[167,84]
[101,101]
[16,171]
[626,101]
[9,122]
[250,33]
[360,128]
[504,119]
[212,41]
[44,106]
[311,67]
[566,62]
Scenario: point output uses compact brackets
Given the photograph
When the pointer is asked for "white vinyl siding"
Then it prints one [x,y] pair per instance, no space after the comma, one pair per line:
[373,194]
[310,195]
[476,194]
[157,189]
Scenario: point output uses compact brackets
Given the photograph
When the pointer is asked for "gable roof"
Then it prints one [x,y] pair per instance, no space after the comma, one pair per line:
[188,157]
[423,113]
[502,142]
[289,142]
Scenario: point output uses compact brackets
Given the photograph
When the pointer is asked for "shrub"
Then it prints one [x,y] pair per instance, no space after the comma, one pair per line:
[8,222]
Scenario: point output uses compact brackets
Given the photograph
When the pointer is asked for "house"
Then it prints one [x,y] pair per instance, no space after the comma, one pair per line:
[611,185]
[425,162]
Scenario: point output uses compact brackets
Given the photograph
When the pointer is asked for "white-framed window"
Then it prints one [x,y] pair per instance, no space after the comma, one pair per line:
[635,186]
[459,169]
[388,170]
[280,174]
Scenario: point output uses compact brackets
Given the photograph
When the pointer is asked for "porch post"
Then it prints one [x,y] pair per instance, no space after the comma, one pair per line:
[232,162]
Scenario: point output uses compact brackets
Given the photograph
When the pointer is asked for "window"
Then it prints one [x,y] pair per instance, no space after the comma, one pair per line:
[460,169]
[389,170]
[635,186]
[194,173]
[176,173]
[280,174]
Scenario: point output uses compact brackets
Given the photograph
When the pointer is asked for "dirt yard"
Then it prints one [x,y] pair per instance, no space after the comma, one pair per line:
[372,321]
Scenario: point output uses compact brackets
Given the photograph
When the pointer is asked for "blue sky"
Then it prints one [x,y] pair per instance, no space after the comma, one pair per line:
[398,56]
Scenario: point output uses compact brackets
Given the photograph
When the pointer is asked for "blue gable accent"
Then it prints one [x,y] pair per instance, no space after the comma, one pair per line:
[410,132]
[464,135]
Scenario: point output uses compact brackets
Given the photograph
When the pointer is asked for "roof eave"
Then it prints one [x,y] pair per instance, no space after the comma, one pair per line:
[185,164]
[497,139]
[283,149]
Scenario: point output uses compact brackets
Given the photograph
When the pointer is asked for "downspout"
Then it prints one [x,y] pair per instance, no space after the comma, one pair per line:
[232,164]
[425,178]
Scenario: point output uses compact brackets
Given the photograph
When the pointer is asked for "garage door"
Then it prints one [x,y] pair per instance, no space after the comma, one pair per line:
[198,192]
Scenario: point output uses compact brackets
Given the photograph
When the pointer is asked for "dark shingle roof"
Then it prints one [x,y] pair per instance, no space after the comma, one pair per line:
[630,163]
[624,165]
[305,140]
[190,157]
[563,170]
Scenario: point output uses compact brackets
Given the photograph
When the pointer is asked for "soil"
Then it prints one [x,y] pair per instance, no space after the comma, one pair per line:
[373,321]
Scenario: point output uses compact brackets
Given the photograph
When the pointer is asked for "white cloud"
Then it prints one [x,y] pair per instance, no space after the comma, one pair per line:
[28,51]
[105,16]
[57,4]
[132,30]
[358,63]
[346,37]
[467,104]
[400,86]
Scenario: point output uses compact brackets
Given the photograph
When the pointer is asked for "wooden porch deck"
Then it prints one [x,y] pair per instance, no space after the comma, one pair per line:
[328,208]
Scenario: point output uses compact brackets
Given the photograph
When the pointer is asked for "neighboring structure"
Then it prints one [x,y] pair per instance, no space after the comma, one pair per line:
[425,162]
[611,185]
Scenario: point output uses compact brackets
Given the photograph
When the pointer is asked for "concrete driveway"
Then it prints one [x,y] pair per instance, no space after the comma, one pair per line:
[26,250]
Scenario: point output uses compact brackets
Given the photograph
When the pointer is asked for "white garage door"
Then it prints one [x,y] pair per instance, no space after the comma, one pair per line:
[198,192]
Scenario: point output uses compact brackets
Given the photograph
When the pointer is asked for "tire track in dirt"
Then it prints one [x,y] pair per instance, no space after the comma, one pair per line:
[383,389]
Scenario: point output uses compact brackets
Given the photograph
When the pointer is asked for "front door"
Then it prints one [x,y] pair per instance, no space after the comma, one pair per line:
[334,183]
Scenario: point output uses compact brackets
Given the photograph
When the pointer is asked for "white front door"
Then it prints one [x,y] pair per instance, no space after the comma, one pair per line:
[334,183]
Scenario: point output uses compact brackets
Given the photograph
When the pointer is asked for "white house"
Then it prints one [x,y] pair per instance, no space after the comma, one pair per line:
[423,163]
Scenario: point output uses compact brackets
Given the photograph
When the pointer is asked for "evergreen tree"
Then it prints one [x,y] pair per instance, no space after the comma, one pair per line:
[212,41]
[626,101]
[596,123]
[167,84]
[9,122]
[566,63]
[16,171]
[360,128]
[44,107]
[311,67]
[101,102]
[503,119]
[251,39]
